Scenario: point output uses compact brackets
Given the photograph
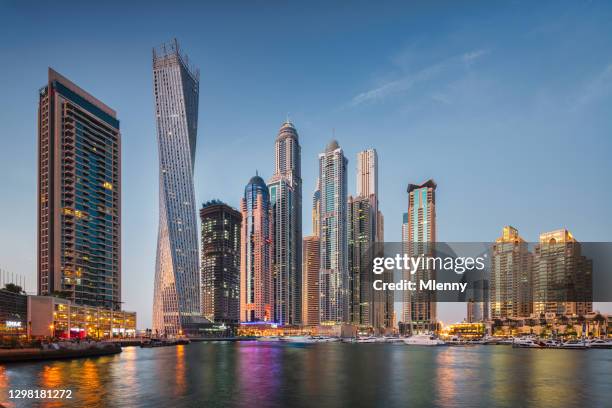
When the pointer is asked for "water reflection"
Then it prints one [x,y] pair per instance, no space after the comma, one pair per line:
[181,381]
[321,375]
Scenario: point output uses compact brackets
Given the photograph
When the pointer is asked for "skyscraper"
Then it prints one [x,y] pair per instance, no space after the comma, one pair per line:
[365,228]
[420,306]
[220,262]
[176,302]
[510,278]
[310,275]
[367,173]
[333,276]
[562,276]
[79,196]
[285,187]
[256,289]
[316,207]
[361,238]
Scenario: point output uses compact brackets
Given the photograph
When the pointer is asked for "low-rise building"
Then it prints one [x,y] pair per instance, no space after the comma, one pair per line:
[13,313]
[49,316]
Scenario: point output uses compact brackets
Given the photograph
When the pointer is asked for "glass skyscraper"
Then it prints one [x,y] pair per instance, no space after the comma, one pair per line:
[220,262]
[256,290]
[79,196]
[420,307]
[285,187]
[333,275]
[176,302]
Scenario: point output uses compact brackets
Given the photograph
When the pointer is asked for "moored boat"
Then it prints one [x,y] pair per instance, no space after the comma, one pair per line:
[423,340]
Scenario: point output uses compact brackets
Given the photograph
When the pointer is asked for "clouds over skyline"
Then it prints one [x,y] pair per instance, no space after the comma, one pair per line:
[454,66]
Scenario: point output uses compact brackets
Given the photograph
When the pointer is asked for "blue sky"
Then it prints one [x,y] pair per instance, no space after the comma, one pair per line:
[506,107]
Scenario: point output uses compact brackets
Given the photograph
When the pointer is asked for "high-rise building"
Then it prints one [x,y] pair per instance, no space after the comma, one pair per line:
[510,276]
[285,187]
[316,205]
[562,276]
[176,301]
[361,238]
[79,196]
[420,306]
[333,245]
[366,228]
[220,262]
[367,173]
[310,273]
[256,289]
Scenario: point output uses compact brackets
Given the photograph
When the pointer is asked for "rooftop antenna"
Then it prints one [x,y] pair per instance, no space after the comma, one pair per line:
[256,172]
[288,120]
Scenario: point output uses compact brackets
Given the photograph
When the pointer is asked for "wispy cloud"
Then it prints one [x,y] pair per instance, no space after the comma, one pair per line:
[409,80]
[470,57]
[597,87]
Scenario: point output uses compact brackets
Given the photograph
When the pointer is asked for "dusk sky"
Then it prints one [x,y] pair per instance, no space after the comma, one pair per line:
[507,108]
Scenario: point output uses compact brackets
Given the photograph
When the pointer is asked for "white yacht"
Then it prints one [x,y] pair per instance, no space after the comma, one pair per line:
[298,339]
[325,339]
[574,345]
[526,343]
[600,344]
[423,340]
[368,339]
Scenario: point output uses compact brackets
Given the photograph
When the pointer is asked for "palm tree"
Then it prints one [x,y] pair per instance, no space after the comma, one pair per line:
[599,320]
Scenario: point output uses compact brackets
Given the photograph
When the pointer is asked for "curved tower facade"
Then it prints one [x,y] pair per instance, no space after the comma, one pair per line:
[285,188]
[176,302]
[256,291]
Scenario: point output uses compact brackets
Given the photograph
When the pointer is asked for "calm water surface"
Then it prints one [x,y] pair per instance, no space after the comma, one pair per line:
[255,374]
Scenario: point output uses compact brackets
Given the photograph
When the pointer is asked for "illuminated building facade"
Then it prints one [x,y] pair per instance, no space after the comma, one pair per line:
[285,187]
[310,273]
[220,262]
[420,306]
[176,299]
[256,289]
[316,206]
[54,317]
[79,196]
[361,237]
[13,313]
[334,275]
[510,276]
[562,276]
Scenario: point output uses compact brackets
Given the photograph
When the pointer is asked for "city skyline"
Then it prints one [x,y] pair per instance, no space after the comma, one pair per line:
[551,142]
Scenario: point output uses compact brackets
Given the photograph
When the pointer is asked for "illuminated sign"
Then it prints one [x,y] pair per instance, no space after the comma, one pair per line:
[13,324]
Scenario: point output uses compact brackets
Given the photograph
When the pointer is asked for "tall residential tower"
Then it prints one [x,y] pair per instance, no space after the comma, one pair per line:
[510,278]
[285,187]
[256,290]
[176,302]
[220,265]
[420,306]
[79,196]
[333,245]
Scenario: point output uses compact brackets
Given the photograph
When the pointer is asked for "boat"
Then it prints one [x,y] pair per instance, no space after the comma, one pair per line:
[551,343]
[368,339]
[298,339]
[600,344]
[269,338]
[391,339]
[574,345]
[526,343]
[423,340]
[325,339]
